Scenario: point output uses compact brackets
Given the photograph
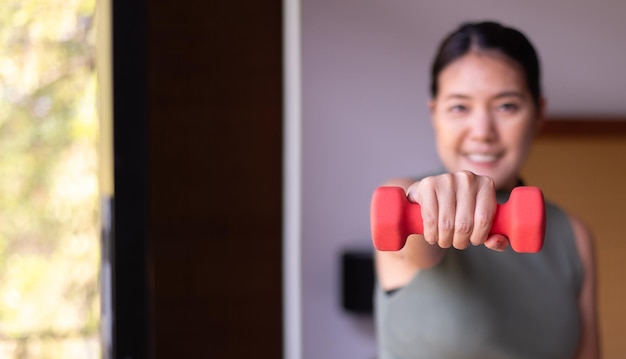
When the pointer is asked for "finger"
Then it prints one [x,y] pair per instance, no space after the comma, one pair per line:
[411,194]
[497,242]
[446,201]
[485,211]
[426,197]
[465,207]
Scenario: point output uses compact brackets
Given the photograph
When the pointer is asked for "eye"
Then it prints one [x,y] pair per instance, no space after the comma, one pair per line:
[508,107]
[459,108]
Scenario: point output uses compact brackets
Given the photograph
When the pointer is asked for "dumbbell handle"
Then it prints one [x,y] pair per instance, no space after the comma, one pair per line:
[521,219]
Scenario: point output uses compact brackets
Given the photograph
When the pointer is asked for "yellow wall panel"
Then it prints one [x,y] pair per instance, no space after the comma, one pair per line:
[586,175]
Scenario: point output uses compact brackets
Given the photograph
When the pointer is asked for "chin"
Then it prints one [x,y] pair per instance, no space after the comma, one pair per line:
[500,180]
[505,183]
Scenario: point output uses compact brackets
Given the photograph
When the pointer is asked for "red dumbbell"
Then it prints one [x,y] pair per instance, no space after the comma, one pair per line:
[522,219]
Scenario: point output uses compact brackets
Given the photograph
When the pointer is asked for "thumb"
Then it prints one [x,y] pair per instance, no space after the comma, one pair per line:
[497,242]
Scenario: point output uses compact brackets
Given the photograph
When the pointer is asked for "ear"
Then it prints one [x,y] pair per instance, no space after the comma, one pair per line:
[432,103]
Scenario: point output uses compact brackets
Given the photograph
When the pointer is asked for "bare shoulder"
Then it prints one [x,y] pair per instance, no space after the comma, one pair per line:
[589,343]
[584,240]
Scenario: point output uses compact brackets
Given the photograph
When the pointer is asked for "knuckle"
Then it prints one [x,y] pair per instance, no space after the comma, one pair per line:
[410,192]
[445,180]
[463,227]
[484,220]
[446,225]
[488,182]
[465,176]
[429,222]
[427,182]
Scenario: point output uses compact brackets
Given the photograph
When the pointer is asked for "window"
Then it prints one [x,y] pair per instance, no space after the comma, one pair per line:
[49,230]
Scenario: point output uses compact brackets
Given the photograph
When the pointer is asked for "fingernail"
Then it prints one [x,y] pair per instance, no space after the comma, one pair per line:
[500,245]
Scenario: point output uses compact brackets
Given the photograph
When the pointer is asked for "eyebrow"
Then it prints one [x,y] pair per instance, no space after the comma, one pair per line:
[500,95]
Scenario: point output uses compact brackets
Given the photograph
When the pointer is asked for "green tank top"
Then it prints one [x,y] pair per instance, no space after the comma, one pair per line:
[482,304]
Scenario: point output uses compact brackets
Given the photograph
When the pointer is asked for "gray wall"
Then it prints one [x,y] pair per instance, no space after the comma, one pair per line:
[364,119]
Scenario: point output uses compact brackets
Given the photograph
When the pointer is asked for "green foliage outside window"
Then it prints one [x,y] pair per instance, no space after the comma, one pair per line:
[49,231]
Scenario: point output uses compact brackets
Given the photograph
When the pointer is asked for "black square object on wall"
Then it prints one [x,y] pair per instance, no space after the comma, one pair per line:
[357,269]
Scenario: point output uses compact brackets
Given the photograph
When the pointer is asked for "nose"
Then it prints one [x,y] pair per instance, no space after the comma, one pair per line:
[483,127]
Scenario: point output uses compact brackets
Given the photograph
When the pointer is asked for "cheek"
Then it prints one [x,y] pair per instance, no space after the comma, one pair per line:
[447,133]
[446,142]
[522,138]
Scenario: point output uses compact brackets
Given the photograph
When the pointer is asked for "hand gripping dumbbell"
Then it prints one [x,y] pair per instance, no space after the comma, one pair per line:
[522,219]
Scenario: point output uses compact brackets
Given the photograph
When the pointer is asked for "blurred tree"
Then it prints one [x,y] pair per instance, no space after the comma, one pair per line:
[49,248]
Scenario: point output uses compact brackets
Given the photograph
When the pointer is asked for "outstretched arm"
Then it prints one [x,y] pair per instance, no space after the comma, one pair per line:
[457,211]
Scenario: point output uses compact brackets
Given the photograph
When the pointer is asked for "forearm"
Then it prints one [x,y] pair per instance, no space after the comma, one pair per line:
[396,268]
[419,253]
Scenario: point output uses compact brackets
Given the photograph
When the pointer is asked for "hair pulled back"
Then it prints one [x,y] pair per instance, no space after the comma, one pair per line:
[494,37]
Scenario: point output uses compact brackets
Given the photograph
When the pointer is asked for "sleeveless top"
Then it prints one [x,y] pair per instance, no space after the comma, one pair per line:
[482,304]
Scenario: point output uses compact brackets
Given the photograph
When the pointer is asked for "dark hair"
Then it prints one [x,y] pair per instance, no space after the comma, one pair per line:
[489,36]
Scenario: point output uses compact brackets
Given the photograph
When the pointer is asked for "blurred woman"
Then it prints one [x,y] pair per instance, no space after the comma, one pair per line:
[457,291]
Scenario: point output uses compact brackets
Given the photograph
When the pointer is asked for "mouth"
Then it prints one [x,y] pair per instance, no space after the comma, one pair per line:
[482,158]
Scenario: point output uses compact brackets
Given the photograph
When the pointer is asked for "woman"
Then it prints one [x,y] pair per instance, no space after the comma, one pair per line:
[457,291]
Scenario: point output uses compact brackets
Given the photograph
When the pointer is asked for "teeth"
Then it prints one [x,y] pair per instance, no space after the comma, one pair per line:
[481,158]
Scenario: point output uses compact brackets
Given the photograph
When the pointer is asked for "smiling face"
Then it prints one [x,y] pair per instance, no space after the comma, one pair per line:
[484,117]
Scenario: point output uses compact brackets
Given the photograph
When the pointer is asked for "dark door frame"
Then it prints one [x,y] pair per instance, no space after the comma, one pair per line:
[196,270]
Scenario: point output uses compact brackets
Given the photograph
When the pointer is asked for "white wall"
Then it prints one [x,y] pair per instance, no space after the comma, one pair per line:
[365,66]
